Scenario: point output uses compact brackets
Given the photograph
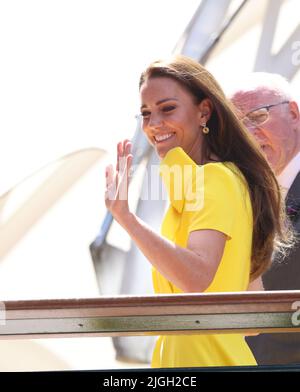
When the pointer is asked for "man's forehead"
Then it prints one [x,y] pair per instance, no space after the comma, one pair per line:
[246,101]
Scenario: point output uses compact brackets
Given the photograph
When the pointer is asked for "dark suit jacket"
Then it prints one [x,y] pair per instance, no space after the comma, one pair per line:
[282,348]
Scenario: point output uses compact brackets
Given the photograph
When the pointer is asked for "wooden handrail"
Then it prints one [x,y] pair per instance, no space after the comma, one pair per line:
[245,312]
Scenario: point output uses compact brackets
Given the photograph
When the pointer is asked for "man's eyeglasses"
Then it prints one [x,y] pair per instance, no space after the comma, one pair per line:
[259,115]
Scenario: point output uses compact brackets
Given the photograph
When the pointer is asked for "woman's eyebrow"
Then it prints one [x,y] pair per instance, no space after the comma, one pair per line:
[161,101]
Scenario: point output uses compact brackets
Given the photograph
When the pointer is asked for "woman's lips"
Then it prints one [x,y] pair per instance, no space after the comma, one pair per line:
[162,138]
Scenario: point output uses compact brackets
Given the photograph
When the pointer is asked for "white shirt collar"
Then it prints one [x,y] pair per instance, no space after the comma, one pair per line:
[289,173]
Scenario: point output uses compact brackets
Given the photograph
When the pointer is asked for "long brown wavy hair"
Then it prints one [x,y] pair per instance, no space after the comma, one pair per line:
[230,141]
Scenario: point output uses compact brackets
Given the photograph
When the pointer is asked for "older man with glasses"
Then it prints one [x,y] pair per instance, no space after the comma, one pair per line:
[267,107]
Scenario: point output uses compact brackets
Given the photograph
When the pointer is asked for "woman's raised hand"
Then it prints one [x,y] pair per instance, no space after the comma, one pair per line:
[116,194]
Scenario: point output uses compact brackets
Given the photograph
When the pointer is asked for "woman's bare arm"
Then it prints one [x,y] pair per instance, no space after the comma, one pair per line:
[191,269]
[256,285]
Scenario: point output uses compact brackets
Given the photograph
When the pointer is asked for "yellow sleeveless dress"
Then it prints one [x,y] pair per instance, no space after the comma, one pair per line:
[212,196]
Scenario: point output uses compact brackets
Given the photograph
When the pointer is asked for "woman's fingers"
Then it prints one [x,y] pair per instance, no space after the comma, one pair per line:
[117,181]
[119,153]
[125,159]
[129,163]
[110,193]
[124,149]
[109,175]
[129,157]
[127,147]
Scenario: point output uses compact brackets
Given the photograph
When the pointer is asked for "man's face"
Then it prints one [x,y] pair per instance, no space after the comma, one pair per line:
[273,127]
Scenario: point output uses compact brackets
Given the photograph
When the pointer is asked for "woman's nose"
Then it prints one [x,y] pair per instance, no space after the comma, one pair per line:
[155,121]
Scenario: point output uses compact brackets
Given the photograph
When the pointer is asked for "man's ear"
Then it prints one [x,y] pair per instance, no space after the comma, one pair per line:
[205,110]
[294,111]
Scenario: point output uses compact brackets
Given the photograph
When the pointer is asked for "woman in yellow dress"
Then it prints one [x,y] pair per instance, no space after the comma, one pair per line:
[225,213]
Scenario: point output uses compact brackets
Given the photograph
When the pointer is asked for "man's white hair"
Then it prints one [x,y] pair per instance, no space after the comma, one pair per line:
[256,81]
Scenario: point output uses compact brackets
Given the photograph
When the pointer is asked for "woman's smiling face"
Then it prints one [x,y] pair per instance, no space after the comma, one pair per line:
[171,117]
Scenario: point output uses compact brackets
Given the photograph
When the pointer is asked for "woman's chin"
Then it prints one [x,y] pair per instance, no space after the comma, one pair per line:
[162,152]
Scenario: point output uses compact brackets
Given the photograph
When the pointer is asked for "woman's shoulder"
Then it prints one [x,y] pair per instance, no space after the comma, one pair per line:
[222,169]
[223,174]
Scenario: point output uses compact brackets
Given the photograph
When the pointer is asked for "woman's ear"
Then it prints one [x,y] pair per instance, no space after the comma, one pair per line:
[205,110]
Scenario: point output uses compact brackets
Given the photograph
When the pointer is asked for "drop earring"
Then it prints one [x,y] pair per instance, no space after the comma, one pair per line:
[205,129]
